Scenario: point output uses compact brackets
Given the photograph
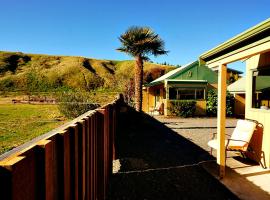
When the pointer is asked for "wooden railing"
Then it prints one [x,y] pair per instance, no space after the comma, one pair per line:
[73,161]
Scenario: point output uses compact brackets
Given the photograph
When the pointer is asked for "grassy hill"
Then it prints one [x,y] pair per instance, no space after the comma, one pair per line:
[45,73]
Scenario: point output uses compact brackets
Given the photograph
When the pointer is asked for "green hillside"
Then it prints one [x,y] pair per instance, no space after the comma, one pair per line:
[45,73]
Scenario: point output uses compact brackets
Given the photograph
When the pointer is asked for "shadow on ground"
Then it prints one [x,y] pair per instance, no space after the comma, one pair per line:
[157,163]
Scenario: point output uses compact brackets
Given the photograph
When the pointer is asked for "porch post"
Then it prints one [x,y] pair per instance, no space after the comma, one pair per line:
[221,118]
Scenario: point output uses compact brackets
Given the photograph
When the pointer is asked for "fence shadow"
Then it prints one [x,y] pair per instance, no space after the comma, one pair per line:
[143,142]
[157,163]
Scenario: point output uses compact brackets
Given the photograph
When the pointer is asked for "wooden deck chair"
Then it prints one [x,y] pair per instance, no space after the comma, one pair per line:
[239,140]
[158,108]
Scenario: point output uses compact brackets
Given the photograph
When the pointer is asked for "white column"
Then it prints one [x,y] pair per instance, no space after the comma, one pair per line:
[222,87]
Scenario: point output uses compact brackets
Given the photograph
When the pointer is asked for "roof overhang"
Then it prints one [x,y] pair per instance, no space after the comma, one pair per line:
[154,83]
[186,81]
[175,81]
[248,43]
[190,82]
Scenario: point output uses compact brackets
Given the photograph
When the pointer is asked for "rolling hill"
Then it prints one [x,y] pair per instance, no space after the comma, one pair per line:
[45,73]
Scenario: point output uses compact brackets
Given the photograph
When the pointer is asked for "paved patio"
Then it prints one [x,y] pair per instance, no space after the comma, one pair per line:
[246,179]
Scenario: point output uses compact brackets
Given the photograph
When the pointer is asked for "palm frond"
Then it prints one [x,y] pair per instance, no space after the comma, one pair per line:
[141,41]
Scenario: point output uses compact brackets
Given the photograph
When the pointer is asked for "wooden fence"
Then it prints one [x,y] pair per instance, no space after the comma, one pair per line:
[73,161]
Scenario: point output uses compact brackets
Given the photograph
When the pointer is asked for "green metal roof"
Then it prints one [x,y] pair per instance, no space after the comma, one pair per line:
[261,30]
[190,72]
[239,86]
[169,74]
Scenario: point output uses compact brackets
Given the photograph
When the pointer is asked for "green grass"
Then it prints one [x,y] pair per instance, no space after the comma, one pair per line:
[20,123]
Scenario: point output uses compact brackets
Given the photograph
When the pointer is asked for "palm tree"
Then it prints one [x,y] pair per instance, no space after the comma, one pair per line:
[140,42]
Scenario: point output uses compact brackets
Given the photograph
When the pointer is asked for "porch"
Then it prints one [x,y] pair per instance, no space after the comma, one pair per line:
[244,177]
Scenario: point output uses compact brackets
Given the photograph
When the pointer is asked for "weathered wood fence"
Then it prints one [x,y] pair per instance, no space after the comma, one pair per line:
[73,161]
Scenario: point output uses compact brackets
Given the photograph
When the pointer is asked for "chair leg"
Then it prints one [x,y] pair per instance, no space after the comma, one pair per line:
[259,159]
[211,151]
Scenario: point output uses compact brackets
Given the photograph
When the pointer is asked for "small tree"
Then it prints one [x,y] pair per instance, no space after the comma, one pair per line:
[212,103]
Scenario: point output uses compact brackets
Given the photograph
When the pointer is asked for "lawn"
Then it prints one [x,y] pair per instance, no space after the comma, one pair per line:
[20,123]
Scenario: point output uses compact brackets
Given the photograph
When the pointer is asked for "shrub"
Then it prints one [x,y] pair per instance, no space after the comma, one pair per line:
[37,82]
[74,104]
[212,103]
[183,108]
[6,84]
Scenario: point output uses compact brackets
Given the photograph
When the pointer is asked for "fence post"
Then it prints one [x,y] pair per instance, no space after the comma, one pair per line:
[57,167]
[101,153]
[81,158]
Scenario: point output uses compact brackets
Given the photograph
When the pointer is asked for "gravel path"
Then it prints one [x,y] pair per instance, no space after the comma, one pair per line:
[157,162]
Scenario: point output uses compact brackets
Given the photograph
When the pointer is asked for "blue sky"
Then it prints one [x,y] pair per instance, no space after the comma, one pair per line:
[91,28]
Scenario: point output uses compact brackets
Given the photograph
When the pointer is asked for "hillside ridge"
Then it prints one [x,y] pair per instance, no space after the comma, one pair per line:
[40,72]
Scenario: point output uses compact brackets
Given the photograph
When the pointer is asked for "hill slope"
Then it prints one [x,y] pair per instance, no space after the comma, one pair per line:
[45,73]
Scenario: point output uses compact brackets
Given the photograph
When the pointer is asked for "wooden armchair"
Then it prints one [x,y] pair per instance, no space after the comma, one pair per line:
[239,140]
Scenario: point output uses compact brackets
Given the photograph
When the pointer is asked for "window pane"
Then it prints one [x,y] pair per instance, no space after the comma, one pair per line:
[261,89]
[172,93]
[199,93]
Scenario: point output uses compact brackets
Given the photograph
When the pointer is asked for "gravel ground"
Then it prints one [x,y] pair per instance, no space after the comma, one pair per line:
[157,161]
[197,130]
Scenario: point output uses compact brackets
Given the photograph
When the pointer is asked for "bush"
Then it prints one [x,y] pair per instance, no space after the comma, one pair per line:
[183,108]
[74,104]
[6,84]
[212,103]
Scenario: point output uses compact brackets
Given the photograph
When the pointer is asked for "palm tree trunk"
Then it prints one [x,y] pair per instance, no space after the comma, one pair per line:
[138,83]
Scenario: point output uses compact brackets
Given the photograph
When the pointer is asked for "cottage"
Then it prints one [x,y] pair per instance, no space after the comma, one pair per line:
[189,82]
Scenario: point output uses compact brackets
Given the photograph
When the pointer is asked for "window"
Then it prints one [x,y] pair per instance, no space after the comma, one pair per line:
[261,89]
[186,93]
